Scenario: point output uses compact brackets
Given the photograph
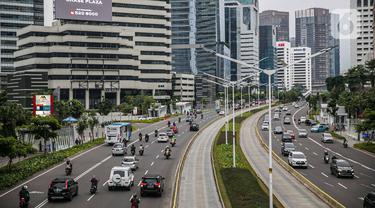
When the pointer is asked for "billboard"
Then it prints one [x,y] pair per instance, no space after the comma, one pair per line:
[91,10]
[42,105]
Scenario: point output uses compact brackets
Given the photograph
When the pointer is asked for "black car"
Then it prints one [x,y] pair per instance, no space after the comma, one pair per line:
[369,200]
[286,137]
[341,168]
[194,127]
[310,122]
[62,188]
[153,184]
[189,119]
[287,147]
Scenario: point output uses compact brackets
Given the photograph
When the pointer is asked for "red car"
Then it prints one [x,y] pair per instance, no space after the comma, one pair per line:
[174,129]
[291,133]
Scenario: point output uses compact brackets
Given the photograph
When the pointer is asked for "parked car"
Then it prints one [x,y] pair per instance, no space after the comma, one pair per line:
[163,137]
[118,149]
[286,137]
[369,200]
[120,177]
[287,120]
[265,126]
[170,133]
[302,133]
[341,168]
[297,159]
[152,184]
[291,133]
[130,161]
[287,147]
[62,188]
[327,138]
[194,127]
[278,130]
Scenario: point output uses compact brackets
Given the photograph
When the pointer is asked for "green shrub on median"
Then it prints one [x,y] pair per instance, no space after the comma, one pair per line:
[369,147]
[24,169]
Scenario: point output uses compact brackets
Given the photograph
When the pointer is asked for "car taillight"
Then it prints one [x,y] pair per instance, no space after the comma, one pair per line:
[66,184]
[143,184]
[157,184]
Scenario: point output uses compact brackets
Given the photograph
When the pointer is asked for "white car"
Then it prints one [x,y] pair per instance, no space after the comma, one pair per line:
[302,133]
[297,159]
[276,116]
[120,177]
[302,119]
[327,138]
[130,161]
[285,108]
[163,137]
[265,126]
[221,113]
[118,149]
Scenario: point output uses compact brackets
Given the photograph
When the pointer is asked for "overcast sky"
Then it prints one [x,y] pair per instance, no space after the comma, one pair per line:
[292,5]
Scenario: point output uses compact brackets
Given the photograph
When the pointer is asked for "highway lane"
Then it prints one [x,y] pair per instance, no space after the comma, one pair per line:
[349,192]
[99,162]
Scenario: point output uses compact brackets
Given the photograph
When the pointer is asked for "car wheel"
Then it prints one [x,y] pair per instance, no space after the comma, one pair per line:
[49,199]
[109,188]
[113,154]
[69,198]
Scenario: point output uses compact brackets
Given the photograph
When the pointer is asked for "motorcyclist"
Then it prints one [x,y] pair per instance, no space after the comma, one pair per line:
[174,123]
[334,157]
[156,132]
[24,193]
[69,165]
[169,123]
[345,143]
[147,137]
[132,149]
[202,116]
[167,151]
[179,119]
[94,181]
[326,156]
[140,136]
[134,201]
[173,139]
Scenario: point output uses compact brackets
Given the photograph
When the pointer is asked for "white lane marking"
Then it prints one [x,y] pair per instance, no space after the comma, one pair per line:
[306,148]
[356,176]
[139,183]
[311,166]
[63,163]
[157,156]
[342,186]
[315,153]
[324,174]
[353,161]
[90,197]
[36,192]
[147,146]
[373,185]
[105,183]
[361,198]
[161,150]
[369,187]
[146,172]
[42,204]
[329,184]
[153,142]
[152,164]
[365,175]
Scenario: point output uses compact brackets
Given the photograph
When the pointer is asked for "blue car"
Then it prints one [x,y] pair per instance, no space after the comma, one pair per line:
[319,128]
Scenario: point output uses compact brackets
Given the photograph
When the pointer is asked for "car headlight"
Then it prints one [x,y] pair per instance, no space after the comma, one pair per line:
[339,169]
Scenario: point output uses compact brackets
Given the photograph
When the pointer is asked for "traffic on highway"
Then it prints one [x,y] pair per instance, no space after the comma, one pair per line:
[112,175]
[344,173]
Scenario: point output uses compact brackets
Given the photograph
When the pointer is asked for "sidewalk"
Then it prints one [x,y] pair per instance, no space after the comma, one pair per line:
[352,139]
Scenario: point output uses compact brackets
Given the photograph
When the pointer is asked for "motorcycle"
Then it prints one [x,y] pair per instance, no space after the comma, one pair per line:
[146,138]
[133,152]
[326,159]
[68,171]
[23,203]
[156,133]
[141,152]
[93,189]
[140,138]
[173,143]
[167,155]
[345,144]
[201,116]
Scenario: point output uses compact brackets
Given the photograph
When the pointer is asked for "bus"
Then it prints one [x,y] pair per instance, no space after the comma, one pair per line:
[117,132]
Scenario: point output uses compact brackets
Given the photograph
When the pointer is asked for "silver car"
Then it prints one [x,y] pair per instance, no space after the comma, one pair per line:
[302,133]
[130,161]
[118,149]
[297,159]
[327,138]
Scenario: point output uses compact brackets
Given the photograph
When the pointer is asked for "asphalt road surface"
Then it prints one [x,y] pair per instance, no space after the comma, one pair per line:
[347,191]
[99,161]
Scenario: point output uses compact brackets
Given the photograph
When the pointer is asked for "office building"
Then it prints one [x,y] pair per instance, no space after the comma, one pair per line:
[283,51]
[13,16]
[267,50]
[299,74]
[335,41]
[183,87]
[242,37]
[313,30]
[362,47]
[278,19]
[136,58]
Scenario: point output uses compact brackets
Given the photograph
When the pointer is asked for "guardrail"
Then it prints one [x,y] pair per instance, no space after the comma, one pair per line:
[307,183]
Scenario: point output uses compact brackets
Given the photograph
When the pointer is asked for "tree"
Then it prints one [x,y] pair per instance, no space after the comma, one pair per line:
[332,109]
[82,125]
[11,116]
[368,123]
[11,148]
[126,108]
[68,108]
[104,107]
[92,123]
[370,66]
[44,128]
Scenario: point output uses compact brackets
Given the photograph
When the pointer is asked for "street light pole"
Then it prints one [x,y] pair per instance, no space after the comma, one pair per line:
[226,113]
[233,131]
[241,101]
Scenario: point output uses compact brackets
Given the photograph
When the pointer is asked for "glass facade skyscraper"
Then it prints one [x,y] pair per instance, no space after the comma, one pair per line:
[279,19]
[267,49]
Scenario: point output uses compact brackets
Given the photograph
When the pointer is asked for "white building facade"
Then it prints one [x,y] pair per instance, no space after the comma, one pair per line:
[283,50]
[183,87]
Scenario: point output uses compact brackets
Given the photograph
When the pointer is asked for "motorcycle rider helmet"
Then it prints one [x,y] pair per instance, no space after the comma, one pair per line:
[24,187]
[325,152]
[68,161]
[134,195]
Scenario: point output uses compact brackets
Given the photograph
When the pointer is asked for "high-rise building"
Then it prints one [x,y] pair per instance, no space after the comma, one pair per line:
[90,60]
[183,35]
[283,51]
[267,49]
[13,16]
[313,30]
[242,36]
[362,48]
[299,74]
[335,41]
[183,87]
[278,19]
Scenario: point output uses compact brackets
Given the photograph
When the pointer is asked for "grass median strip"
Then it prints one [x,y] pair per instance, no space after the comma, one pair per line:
[26,168]
[366,146]
[238,186]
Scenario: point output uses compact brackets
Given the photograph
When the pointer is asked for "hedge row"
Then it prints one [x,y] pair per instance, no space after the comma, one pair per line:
[26,168]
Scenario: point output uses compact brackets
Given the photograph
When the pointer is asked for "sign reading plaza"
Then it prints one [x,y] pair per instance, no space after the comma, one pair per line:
[91,10]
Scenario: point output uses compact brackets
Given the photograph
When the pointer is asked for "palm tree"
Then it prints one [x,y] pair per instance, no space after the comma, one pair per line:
[92,123]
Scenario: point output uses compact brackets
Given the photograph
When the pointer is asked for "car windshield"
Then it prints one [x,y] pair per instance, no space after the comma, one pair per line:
[289,145]
[286,136]
[119,172]
[286,119]
[265,124]
[150,180]
[278,128]
[302,130]
[299,156]
[117,146]
[343,164]
[58,184]
[162,134]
